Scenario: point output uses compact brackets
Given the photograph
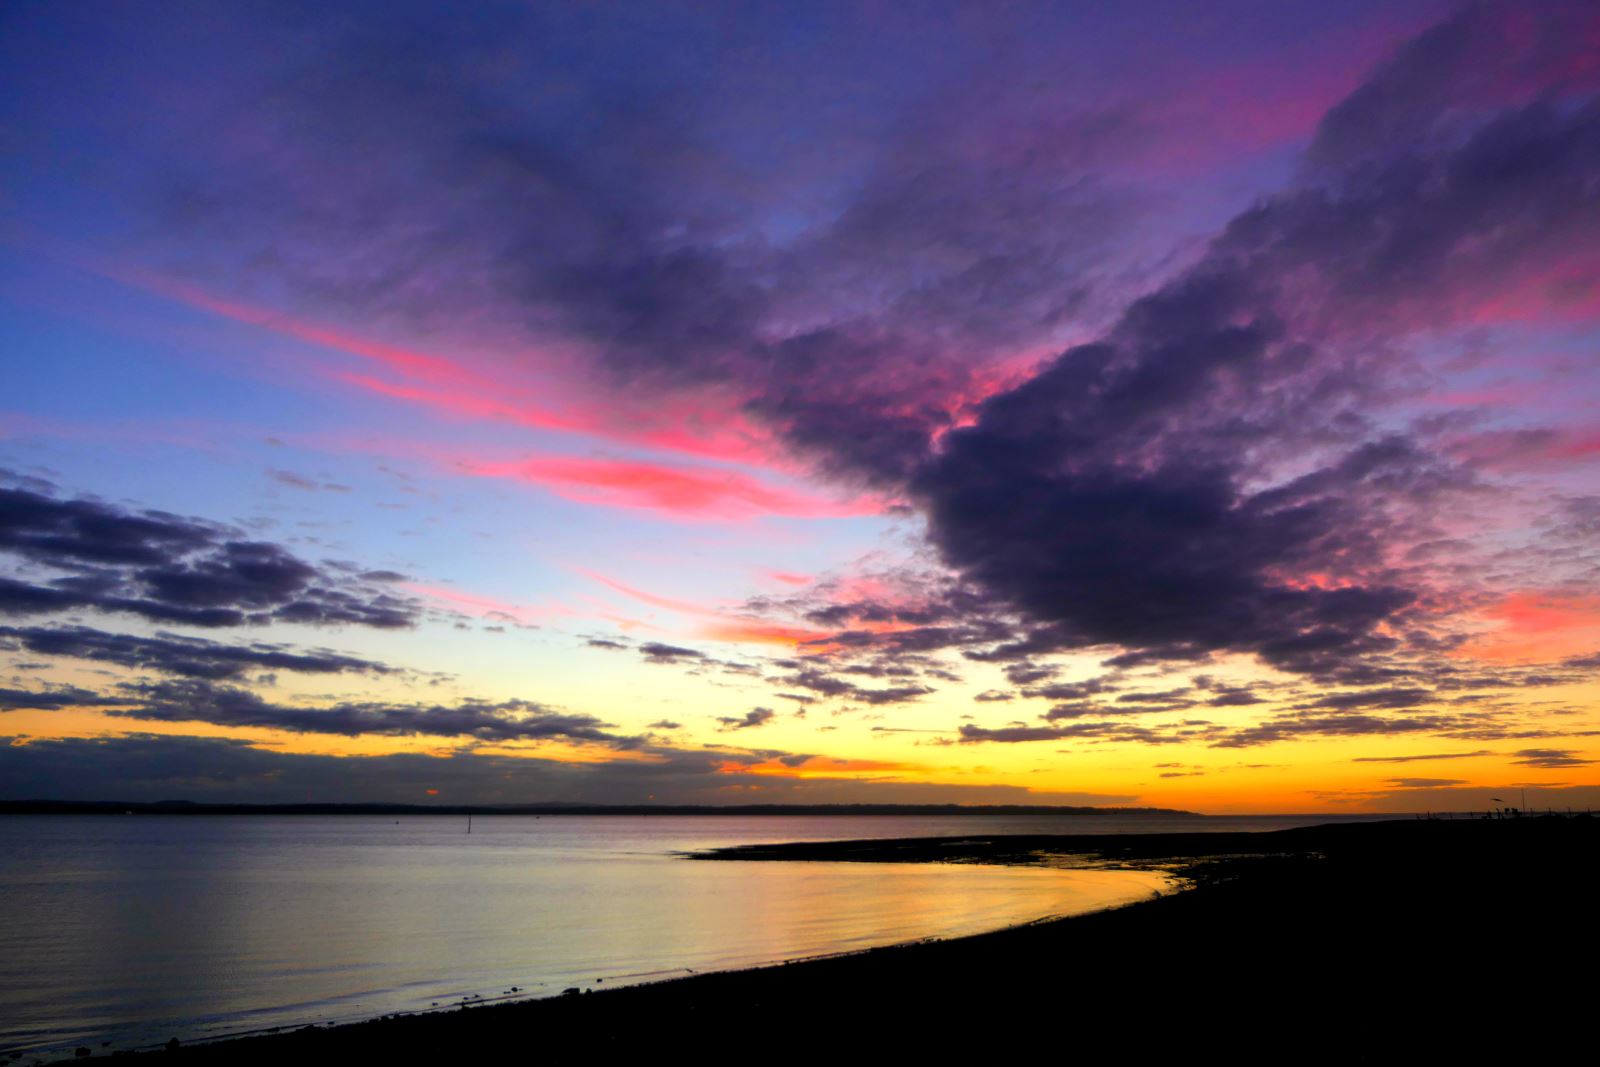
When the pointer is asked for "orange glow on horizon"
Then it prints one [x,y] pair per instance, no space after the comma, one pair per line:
[823,767]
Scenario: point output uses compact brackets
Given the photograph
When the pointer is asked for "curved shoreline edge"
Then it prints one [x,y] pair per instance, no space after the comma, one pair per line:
[1411,928]
[1170,884]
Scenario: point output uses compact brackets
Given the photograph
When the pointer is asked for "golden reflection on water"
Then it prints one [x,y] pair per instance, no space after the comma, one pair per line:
[139,928]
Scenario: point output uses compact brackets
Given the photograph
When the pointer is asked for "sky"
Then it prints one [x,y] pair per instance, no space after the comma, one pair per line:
[1116,404]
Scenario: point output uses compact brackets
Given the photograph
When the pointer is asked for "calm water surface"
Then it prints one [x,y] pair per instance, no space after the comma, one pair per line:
[134,929]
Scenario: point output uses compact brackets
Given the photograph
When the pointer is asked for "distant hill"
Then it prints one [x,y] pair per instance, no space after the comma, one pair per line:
[187,807]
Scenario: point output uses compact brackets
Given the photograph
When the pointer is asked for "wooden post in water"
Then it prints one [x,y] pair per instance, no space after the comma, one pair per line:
[469,822]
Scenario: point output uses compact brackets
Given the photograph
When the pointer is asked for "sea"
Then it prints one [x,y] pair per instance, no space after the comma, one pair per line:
[120,932]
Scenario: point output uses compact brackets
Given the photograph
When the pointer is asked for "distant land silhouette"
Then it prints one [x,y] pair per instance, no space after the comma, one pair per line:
[188,807]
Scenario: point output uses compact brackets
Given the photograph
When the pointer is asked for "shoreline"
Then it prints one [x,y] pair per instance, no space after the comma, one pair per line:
[64,1053]
[1405,912]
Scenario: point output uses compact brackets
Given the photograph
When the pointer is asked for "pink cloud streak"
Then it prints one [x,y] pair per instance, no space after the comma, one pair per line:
[694,493]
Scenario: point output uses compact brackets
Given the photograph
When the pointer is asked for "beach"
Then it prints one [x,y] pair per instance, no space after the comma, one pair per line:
[1370,938]
[135,930]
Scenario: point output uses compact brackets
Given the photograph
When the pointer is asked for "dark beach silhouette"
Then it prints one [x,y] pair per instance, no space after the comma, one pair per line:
[1372,941]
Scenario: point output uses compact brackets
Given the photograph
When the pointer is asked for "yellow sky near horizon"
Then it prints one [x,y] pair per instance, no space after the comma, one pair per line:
[917,744]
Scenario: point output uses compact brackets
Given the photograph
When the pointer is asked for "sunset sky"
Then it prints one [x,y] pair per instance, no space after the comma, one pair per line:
[1160,404]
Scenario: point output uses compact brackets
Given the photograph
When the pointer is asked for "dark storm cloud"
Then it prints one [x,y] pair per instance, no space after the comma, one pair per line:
[753,718]
[1089,709]
[510,720]
[1550,758]
[191,657]
[1484,726]
[898,694]
[82,533]
[1172,560]
[1012,733]
[1089,731]
[1422,757]
[818,608]
[1082,724]
[1483,55]
[695,661]
[1374,698]
[1063,690]
[1029,673]
[52,699]
[820,682]
[1234,698]
[23,598]
[656,652]
[1117,497]
[1123,496]
[1448,677]
[1168,697]
[880,669]
[175,570]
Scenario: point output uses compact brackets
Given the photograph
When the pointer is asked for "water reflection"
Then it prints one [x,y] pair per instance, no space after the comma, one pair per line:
[139,928]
